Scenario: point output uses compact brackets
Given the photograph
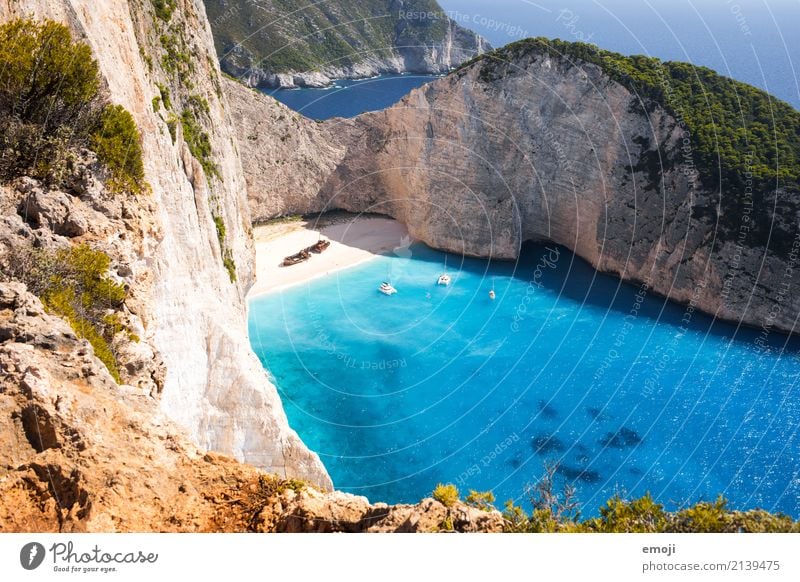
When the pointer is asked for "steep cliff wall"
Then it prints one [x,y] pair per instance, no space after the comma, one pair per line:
[551,148]
[288,157]
[286,44]
[194,264]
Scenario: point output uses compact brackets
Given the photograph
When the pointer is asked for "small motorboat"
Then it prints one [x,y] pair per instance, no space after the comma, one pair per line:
[492,295]
[387,289]
[320,246]
[444,278]
[297,258]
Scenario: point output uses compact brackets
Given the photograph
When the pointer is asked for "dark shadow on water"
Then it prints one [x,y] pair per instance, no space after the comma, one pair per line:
[624,438]
[546,445]
[574,474]
[547,411]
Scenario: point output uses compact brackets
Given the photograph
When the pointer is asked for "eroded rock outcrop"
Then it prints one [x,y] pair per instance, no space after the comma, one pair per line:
[310,511]
[79,452]
[288,157]
[192,262]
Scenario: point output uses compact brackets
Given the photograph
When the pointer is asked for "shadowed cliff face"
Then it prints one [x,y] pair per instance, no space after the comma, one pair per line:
[549,151]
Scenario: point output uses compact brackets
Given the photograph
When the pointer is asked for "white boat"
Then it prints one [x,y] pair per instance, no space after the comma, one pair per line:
[387,289]
[444,278]
[492,295]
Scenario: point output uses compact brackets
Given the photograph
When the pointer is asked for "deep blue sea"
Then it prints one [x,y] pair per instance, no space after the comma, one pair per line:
[350,98]
[626,392]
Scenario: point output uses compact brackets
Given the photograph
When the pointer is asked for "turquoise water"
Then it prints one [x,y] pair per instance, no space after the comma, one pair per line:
[567,366]
[350,98]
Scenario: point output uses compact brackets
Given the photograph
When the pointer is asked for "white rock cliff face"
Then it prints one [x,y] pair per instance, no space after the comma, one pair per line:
[548,151]
[215,386]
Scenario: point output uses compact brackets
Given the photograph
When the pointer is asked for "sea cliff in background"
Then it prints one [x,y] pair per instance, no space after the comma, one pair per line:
[645,169]
[273,43]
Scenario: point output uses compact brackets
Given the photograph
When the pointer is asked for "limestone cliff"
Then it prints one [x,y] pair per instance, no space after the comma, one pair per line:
[551,151]
[288,157]
[188,254]
[308,44]
[549,147]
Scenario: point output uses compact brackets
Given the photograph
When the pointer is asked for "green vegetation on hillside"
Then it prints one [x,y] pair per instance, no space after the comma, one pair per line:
[741,136]
[118,144]
[73,283]
[164,9]
[556,511]
[182,104]
[303,35]
[51,106]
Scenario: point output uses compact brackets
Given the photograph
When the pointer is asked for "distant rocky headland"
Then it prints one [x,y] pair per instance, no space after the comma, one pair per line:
[309,44]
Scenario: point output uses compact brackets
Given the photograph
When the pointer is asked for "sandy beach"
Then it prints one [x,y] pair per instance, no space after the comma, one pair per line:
[354,240]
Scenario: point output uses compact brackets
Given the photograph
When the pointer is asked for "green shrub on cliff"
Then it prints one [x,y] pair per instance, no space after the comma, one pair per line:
[198,142]
[480,499]
[644,515]
[51,106]
[45,78]
[117,144]
[447,494]
[638,516]
[74,284]
[164,9]
[555,510]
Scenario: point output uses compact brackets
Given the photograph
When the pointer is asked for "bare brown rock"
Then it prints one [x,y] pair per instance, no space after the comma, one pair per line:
[186,308]
[309,511]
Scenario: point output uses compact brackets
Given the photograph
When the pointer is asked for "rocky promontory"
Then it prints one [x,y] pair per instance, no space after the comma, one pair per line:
[179,251]
[265,43]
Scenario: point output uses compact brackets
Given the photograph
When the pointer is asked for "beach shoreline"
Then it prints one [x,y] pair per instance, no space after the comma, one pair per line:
[355,239]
